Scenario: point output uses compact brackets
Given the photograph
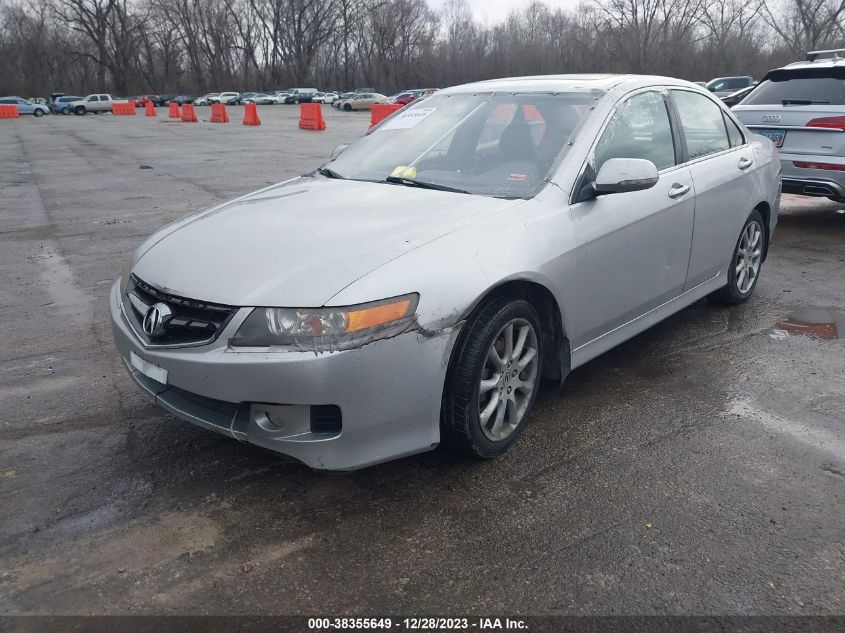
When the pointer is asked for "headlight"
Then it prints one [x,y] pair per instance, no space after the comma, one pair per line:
[325,329]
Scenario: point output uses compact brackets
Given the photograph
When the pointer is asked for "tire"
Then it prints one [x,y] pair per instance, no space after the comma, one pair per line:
[79,110]
[746,262]
[347,107]
[484,412]
[38,112]
[64,111]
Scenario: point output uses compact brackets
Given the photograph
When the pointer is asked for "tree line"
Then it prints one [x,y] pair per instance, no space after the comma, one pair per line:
[195,46]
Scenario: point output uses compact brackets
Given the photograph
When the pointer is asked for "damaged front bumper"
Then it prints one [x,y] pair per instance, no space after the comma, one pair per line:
[337,410]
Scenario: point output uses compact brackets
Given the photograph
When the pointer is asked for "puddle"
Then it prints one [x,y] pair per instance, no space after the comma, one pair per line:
[826,323]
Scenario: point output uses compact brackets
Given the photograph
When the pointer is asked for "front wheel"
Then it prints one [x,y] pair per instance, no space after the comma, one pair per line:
[744,270]
[493,378]
[347,108]
[79,110]
[38,112]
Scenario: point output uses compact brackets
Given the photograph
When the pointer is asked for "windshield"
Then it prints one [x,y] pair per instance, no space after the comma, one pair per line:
[821,90]
[498,144]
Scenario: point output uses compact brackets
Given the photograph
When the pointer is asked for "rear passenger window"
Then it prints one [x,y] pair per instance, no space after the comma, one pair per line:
[639,128]
[734,133]
[702,122]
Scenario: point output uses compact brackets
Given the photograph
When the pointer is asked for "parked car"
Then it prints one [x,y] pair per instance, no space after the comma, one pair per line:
[324,97]
[25,106]
[226,98]
[97,104]
[205,100]
[557,218]
[723,86]
[300,95]
[261,99]
[61,105]
[182,99]
[409,96]
[245,96]
[143,100]
[736,97]
[341,98]
[801,108]
[167,98]
[362,101]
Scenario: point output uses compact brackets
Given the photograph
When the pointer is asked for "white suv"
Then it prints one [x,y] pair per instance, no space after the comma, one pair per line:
[226,98]
[94,103]
[801,108]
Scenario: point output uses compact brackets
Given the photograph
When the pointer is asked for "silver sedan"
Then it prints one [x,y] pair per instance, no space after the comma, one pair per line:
[421,286]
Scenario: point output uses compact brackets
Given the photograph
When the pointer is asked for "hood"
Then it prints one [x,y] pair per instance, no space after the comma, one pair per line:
[299,243]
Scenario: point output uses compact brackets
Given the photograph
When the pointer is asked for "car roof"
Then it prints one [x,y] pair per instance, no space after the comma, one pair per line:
[824,67]
[564,83]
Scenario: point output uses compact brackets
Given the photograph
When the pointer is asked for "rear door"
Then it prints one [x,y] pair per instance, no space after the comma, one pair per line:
[802,115]
[720,161]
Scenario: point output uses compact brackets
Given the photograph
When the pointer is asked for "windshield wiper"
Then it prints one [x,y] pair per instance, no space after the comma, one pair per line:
[802,102]
[330,173]
[411,182]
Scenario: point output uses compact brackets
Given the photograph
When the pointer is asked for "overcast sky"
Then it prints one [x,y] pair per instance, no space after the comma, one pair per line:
[496,10]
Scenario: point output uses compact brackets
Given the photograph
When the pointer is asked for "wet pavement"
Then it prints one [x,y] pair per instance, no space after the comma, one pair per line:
[697,469]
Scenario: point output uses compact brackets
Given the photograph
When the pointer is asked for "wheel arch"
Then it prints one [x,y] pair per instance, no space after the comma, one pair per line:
[766,211]
[557,359]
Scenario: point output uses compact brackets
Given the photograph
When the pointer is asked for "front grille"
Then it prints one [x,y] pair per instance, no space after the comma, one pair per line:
[191,322]
[325,418]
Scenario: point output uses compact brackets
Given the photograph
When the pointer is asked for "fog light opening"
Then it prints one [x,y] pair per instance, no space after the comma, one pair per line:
[268,419]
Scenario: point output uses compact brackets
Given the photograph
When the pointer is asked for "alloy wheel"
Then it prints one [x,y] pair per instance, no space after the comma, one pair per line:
[749,256]
[508,379]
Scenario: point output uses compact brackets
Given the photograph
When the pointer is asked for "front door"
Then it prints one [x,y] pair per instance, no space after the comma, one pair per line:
[633,248]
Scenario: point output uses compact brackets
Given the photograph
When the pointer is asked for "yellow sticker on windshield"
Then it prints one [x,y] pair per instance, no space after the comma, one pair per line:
[403,171]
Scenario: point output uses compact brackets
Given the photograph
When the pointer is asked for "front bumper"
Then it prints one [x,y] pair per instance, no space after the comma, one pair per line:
[388,392]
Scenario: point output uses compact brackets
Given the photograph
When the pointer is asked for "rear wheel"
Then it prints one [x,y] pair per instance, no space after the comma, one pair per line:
[744,270]
[65,111]
[493,378]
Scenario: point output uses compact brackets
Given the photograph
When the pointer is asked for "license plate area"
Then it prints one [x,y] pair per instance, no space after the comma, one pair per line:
[773,134]
[148,369]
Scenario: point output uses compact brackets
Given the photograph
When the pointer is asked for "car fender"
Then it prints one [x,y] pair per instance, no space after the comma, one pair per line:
[454,272]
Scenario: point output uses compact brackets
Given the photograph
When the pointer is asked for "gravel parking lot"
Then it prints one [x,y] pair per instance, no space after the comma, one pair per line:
[697,469]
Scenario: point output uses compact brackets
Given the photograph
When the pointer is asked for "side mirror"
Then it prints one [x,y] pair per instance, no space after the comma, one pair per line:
[620,175]
[339,150]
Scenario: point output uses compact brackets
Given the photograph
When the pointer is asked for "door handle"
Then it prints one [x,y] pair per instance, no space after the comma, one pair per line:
[745,163]
[677,190]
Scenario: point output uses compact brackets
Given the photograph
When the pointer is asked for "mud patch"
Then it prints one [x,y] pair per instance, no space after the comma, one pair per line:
[137,546]
[826,323]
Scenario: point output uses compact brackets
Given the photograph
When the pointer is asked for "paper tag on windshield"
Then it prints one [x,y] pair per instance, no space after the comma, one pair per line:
[403,171]
[407,119]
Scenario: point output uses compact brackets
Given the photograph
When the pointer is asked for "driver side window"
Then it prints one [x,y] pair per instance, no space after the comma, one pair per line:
[639,128]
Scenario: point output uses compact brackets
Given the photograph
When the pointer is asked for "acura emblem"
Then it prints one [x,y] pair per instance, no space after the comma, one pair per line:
[155,319]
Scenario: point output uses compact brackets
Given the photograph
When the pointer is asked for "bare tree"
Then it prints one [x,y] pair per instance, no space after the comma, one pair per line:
[807,24]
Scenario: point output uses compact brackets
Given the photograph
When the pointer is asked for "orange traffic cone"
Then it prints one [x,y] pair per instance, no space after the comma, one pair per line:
[188,114]
[149,109]
[174,110]
[251,115]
